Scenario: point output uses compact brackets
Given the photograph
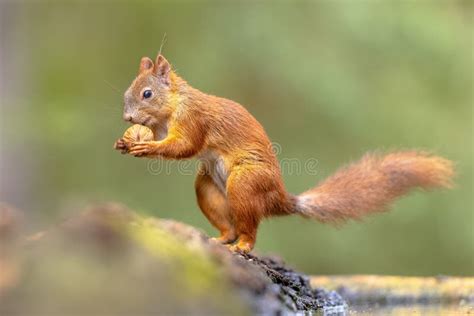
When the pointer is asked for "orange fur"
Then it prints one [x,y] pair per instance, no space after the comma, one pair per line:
[240,181]
[371,184]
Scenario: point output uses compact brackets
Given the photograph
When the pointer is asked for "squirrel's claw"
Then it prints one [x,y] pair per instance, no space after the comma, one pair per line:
[241,247]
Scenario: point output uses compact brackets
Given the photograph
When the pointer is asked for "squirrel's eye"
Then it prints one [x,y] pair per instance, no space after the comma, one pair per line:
[147,94]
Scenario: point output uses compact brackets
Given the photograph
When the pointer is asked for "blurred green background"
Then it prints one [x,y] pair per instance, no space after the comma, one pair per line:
[328,80]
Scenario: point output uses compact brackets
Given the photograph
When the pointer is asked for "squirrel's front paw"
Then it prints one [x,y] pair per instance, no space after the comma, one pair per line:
[142,149]
[121,145]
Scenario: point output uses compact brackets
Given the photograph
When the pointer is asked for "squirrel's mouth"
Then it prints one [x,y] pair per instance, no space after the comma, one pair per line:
[146,121]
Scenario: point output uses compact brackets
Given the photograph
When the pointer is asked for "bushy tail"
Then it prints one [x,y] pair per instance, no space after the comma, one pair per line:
[371,184]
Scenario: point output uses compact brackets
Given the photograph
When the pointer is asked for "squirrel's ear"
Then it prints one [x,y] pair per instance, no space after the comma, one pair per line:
[162,68]
[145,64]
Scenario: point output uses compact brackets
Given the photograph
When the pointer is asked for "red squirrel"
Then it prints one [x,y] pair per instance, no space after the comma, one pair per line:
[240,182]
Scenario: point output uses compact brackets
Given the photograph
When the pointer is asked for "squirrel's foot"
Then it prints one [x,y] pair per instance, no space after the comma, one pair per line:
[225,238]
[242,246]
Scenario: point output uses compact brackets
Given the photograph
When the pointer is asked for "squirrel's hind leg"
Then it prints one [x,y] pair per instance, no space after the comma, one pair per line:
[213,204]
[247,204]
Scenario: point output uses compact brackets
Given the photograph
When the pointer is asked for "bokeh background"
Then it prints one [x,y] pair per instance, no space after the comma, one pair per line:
[329,80]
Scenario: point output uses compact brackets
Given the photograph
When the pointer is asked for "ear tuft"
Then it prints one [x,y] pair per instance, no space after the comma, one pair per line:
[162,68]
[145,64]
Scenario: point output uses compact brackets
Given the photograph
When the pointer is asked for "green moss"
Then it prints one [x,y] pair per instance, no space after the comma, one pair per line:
[199,273]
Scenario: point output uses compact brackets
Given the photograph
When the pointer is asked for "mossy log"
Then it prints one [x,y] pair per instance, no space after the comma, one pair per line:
[110,260]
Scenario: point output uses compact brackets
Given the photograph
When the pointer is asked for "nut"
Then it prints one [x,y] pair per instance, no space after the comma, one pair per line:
[138,133]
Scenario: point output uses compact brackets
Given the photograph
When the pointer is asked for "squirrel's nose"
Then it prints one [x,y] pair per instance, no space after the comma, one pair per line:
[127,117]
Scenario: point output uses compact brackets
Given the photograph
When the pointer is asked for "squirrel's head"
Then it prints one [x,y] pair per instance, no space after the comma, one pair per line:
[149,92]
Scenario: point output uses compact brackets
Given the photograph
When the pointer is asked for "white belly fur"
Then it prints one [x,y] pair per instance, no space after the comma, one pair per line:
[215,166]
